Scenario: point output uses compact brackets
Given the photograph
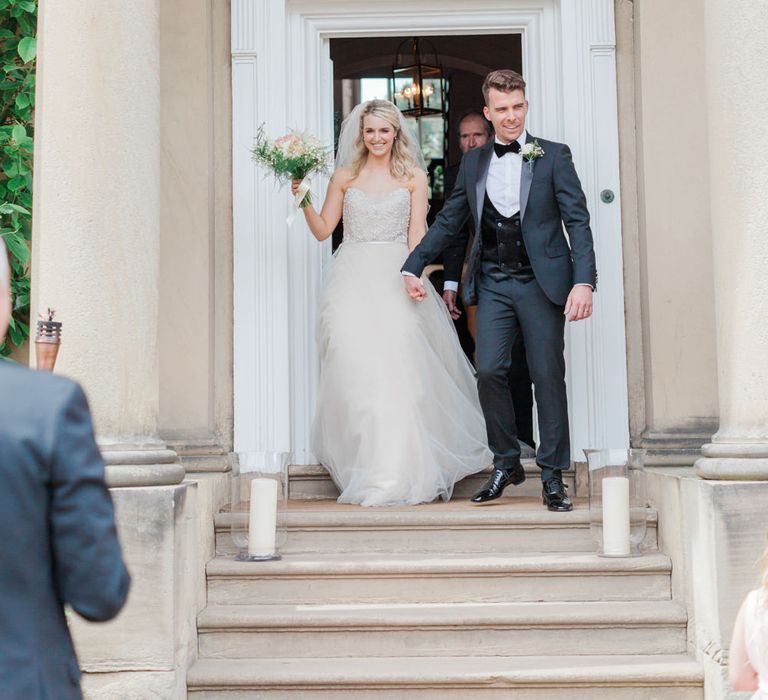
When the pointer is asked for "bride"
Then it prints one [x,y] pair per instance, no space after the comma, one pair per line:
[398,419]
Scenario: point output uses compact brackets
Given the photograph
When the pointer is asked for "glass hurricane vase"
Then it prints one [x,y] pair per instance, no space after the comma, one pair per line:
[617,502]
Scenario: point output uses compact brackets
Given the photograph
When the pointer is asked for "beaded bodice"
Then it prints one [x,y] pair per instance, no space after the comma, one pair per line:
[376,217]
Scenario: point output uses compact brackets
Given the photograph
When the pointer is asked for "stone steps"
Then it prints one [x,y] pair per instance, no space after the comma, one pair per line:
[635,677]
[440,601]
[508,525]
[449,629]
[313,482]
[437,578]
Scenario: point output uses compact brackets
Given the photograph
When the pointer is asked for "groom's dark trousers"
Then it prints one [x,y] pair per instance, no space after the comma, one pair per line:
[520,292]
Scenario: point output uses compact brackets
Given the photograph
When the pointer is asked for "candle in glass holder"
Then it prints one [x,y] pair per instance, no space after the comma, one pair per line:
[262,520]
[616,516]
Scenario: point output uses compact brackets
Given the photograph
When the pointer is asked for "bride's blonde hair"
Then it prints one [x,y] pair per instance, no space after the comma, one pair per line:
[401,163]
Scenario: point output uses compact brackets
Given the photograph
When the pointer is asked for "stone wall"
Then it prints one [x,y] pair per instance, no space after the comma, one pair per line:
[666,222]
[715,532]
[167,537]
[195,329]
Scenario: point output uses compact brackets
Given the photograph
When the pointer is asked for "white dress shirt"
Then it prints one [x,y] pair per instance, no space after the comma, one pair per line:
[503,188]
[503,183]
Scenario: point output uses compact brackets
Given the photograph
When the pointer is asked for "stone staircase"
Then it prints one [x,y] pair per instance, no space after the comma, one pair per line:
[313,482]
[445,601]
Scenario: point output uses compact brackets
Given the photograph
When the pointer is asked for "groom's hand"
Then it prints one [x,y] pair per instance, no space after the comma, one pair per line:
[415,288]
[578,306]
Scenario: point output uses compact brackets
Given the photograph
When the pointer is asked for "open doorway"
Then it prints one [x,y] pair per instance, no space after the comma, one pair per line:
[362,70]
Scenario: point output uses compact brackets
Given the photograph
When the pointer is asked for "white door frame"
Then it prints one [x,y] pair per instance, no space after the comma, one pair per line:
[282,77]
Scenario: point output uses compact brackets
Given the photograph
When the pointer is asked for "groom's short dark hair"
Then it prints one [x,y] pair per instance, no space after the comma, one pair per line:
[503,80]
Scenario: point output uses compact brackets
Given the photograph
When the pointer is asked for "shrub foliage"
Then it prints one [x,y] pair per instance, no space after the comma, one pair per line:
[18,29]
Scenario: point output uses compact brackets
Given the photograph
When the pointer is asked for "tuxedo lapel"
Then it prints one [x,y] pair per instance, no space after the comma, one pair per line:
[483,163]
[526,178]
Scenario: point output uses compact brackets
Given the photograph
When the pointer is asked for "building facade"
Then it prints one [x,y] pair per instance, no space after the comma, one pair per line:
[188,304]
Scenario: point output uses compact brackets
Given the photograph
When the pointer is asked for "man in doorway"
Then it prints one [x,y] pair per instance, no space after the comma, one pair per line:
[475,131]
[59,543]
[520,191]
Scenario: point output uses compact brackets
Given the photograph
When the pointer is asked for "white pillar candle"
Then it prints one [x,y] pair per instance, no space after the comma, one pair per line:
[616,516]
[262,520]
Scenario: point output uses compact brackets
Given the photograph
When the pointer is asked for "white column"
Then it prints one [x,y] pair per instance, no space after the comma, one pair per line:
[262,383]
[97,218]
[596,349]
[736,53]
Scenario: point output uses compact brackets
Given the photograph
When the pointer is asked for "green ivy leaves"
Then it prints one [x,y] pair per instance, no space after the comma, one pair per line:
[27,49]
[18,50]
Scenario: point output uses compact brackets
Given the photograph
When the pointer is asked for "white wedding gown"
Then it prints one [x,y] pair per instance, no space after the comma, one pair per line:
[398,419]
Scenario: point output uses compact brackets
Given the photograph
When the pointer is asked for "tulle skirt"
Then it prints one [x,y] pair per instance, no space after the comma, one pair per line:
[398,419]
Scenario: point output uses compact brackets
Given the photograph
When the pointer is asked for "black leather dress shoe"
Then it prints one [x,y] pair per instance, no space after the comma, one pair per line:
[497,482]
[555,495]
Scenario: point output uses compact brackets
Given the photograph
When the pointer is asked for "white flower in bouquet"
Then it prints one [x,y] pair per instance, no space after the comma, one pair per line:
[294,156]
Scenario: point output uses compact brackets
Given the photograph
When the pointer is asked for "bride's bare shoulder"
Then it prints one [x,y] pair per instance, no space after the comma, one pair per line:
[417,179]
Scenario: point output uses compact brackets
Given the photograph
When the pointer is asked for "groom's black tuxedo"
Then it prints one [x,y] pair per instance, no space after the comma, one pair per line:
[510,303]
[550,196]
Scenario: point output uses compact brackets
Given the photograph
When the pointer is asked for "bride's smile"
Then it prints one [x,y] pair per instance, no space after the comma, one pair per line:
[378,135]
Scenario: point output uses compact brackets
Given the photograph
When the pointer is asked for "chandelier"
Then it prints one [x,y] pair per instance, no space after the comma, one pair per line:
[417,79]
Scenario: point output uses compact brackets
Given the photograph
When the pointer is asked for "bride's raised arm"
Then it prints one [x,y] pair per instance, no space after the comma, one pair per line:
[417,226]
[323,224]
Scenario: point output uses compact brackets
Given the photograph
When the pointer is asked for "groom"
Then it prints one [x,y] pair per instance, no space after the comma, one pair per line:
[522,274]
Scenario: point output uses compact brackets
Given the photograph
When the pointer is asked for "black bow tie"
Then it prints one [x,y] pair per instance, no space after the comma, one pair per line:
[501,148]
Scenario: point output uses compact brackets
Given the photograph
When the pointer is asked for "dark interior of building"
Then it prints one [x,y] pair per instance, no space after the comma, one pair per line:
[363,68]
[465,61]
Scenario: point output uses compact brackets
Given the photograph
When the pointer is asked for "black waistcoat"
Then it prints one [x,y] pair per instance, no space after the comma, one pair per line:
[504,253]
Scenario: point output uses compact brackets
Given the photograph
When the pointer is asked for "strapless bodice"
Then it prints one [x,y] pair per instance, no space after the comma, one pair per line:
[371,218]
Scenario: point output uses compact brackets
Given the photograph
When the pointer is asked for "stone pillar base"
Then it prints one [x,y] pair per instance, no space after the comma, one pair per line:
[714,533]
[146,650]
[733,462]
[133,684]
[141,463]
[202,456]
[677,448]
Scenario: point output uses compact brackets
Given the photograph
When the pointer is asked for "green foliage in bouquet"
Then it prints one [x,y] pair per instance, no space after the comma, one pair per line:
[291,157]
[18,28]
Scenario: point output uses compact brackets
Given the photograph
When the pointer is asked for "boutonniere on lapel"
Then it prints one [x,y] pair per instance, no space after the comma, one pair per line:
[531,151]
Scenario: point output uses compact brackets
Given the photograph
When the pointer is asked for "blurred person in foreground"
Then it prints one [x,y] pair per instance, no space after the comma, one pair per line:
[748,655]
[58,542]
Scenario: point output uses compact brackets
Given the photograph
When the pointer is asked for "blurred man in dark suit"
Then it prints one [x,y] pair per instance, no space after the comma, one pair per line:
[58,542]
[475,131]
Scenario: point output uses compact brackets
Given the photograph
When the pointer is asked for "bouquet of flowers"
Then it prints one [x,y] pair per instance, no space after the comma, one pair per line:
[294,156]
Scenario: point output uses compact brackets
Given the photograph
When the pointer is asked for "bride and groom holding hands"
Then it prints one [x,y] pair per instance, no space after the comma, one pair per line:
[400,416]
